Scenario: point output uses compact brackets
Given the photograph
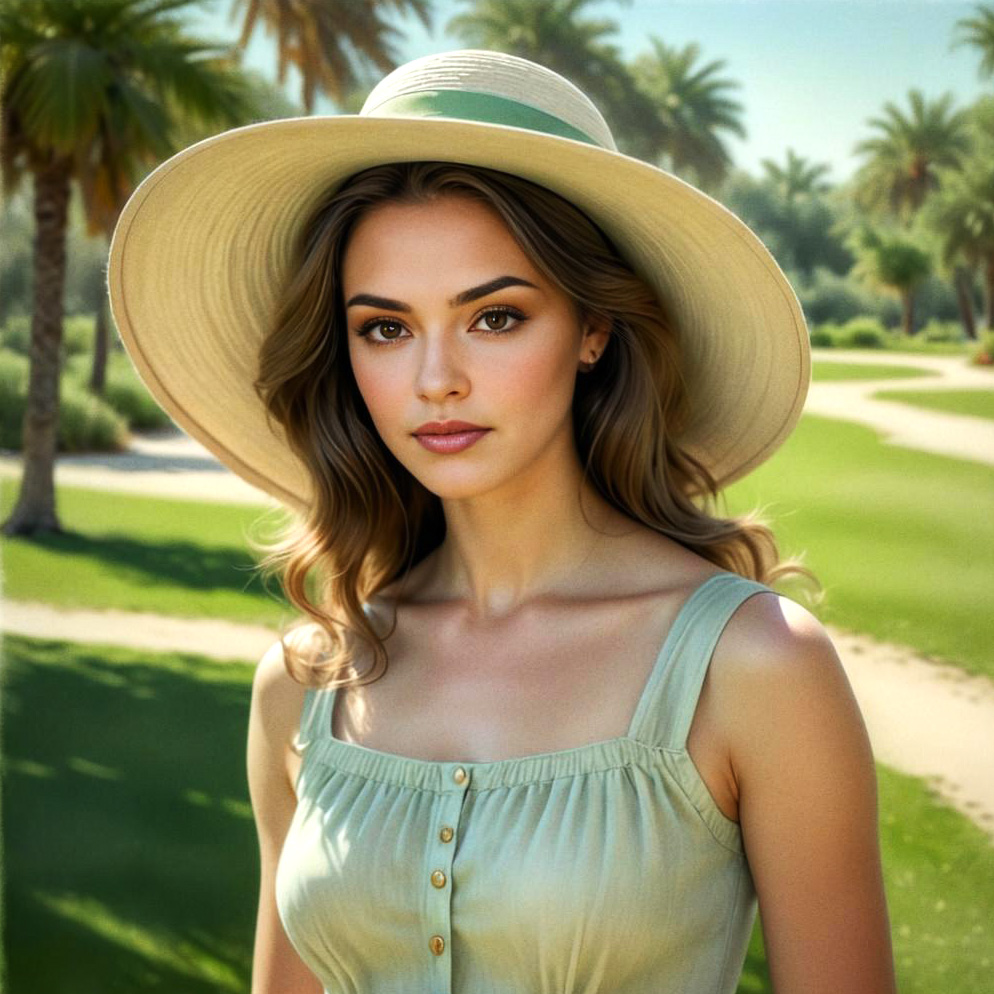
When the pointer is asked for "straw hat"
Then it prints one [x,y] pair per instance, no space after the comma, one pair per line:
[204,243]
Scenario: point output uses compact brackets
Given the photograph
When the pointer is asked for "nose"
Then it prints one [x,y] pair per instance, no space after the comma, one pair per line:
[441,370]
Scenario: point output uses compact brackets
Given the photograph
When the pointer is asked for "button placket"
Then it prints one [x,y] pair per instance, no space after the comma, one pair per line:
[455,781]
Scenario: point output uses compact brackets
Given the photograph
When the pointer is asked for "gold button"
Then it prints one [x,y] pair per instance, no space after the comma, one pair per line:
[459,775]
[436,944]
[438,878]
[446,834]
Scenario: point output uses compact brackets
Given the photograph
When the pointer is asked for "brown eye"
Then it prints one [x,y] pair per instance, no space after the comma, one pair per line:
[496,316]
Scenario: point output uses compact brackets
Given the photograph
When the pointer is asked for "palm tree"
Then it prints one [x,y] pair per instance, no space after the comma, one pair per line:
[553,33]
[692,108]
[85,95]
[797,180]
[961,215]
[979,32]
[328,41]
[894,261]
[903,161]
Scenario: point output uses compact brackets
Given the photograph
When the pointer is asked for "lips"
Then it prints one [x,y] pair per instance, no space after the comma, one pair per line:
[448,428]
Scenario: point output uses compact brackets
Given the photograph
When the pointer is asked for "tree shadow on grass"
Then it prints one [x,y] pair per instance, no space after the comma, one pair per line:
[131,852]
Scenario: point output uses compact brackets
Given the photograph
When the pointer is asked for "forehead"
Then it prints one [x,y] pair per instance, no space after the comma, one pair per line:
[452,234]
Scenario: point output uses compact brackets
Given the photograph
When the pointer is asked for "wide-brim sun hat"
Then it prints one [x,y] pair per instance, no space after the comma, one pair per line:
[204,244]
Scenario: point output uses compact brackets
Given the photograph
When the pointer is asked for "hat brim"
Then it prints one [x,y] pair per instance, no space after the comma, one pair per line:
[204,244]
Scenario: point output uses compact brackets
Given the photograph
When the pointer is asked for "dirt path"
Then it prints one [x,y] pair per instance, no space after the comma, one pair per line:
[925,719]
[958,435]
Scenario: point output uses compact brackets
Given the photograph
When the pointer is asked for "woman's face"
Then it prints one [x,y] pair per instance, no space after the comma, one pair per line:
[436,348]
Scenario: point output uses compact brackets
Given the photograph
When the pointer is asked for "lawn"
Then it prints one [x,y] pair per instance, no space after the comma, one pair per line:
[975,403]
[132,862]
[832,371]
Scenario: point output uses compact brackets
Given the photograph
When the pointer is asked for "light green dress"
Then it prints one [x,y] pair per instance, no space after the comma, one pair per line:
[602,869]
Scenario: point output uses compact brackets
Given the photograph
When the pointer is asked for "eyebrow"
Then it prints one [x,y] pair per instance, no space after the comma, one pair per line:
[467,296]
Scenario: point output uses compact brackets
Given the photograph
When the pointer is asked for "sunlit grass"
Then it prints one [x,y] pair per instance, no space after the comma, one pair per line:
[977,403]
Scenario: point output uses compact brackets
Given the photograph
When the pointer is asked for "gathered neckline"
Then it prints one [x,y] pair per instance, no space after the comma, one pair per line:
[587,757]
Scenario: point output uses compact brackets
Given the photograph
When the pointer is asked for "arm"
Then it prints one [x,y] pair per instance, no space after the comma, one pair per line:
[804,770]
[277,701]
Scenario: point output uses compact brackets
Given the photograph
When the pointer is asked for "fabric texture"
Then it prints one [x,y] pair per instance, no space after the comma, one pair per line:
[602,869]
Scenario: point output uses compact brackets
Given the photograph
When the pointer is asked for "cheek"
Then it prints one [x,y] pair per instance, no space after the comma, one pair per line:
[538,382]
[384,388]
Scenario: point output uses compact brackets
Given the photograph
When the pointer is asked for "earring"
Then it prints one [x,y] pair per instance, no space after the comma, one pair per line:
[589,365]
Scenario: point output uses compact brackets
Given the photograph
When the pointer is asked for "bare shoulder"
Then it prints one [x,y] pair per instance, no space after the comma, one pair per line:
[277,700]
[776,669]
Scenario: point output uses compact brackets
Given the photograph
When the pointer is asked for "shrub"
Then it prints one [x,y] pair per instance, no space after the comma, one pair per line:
[942,331]
[16,334]
[86,422]
[863,333]
[77,335]
[982,354]
[821,338]
[123,391]
[13,392]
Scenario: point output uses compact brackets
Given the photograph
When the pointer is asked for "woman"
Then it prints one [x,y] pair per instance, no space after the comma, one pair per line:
[548,728]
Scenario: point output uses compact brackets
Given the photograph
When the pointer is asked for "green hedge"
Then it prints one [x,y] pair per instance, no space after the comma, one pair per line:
[86,422]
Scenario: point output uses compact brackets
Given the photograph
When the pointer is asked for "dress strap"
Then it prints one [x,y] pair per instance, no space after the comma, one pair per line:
[666,710]
[315,716]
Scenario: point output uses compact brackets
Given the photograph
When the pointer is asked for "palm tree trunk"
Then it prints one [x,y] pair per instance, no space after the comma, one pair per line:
[35,508]
[98,372]
[964,296]
[908,308]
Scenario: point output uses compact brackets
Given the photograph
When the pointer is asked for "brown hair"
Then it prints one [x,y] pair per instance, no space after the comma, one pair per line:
[371,519]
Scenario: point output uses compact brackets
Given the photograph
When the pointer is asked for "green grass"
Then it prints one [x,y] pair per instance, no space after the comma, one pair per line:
[132,862]
[977,403]
[130,849]
[899,538]
[136,553]
[828,370]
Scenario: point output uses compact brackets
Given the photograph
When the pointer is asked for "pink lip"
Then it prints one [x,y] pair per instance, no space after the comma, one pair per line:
[452,442]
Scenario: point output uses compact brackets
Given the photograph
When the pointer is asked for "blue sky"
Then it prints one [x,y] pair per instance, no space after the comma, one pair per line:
[812,72]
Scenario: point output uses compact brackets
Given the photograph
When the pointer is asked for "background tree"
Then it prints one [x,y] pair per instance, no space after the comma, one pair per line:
[553,33]
[331,44]
[903,162]
[87,87]
[895,262]
[978,31]
[691,109]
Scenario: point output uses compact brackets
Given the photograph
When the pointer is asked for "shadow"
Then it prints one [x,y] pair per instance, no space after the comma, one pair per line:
[173,564]
[132,861]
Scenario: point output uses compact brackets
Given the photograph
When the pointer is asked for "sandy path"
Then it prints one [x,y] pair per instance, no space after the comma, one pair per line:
[958,435]
[926,719]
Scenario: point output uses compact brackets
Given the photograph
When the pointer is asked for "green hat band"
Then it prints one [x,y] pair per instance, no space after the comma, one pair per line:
[472,106]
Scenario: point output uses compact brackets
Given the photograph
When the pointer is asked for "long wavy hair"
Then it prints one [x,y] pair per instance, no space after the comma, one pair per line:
[370,519]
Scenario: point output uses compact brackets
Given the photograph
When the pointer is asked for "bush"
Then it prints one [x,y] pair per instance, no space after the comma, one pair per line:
[86,422]
[863,333]
[824,336]
[13,391]
[77,335]
[942,331]
[829,297]
[123,391]
[982,354]
[16,334]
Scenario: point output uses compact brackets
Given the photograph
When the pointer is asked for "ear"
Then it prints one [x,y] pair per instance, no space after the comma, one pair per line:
[596,333]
